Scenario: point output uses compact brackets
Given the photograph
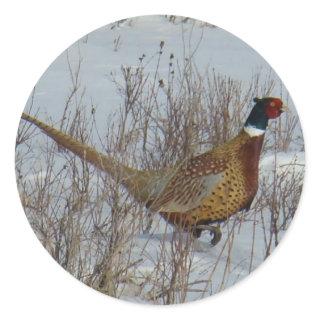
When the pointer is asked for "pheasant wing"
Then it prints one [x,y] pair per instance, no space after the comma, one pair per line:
[190,184]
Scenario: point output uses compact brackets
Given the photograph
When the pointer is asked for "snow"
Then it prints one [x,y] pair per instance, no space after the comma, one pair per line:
[244,241]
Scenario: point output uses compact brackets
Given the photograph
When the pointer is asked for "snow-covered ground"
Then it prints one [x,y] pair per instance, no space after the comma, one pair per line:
[104,51]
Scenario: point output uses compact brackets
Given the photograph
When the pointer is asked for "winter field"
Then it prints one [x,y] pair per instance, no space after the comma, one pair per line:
[150,91]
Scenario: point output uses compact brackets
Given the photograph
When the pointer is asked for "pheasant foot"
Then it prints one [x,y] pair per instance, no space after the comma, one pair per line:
[214,230]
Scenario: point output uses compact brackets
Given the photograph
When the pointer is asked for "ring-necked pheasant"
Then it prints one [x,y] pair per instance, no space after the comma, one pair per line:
[199,191]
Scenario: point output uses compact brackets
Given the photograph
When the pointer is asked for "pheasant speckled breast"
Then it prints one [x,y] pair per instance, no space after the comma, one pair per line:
[202,190]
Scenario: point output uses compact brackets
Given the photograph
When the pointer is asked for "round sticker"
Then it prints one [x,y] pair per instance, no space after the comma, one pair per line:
[159,159]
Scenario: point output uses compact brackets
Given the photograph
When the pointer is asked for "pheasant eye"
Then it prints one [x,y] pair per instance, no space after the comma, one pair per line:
[272,104]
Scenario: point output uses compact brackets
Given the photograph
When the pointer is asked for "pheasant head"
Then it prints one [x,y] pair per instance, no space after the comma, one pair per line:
[263,110]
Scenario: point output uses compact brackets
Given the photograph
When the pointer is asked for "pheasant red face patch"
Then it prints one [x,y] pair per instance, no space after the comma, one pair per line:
[274,108]
[148,168]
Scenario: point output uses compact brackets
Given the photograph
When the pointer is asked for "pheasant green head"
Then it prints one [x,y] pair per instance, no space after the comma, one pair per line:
[263,110]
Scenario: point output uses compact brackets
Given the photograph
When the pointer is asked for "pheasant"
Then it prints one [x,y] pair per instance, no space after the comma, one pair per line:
[205,189]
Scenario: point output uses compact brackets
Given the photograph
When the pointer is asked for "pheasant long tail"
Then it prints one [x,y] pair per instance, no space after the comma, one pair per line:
[131,178]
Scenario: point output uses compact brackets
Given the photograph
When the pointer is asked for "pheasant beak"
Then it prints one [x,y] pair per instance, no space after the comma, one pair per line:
[284,108]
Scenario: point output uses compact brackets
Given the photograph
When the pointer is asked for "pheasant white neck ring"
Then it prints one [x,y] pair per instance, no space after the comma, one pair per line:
[253,131]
